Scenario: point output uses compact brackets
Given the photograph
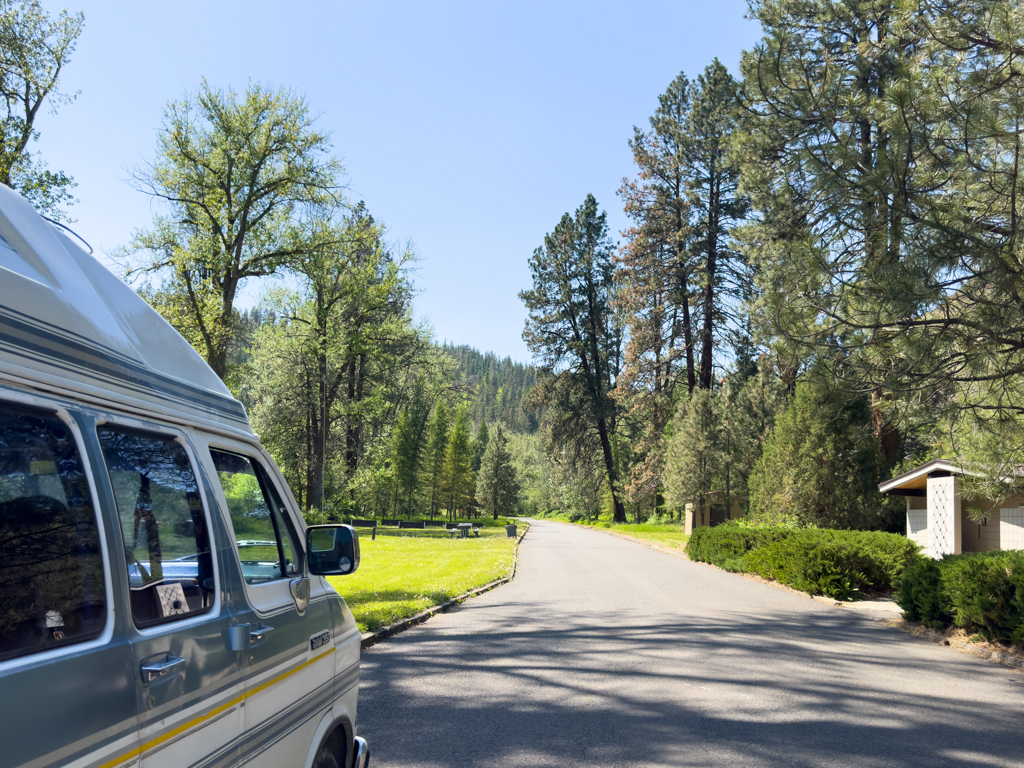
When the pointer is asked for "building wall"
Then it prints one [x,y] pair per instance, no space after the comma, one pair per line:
[1011,528]
[981,538]
[944,518]
[917,521]
[693,520]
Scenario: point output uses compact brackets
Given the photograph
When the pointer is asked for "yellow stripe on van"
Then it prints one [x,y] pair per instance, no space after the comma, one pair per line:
[212,713]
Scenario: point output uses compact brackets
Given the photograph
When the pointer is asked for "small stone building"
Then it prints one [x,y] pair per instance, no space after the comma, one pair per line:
[715,512]
[937,517]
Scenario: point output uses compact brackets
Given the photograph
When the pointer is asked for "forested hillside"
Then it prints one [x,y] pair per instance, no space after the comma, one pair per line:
[497,388]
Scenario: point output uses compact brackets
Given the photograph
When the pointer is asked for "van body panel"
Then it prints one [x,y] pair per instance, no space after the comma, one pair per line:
[64,315]
[87,686]
[76,341]
[289,673]
[75,706]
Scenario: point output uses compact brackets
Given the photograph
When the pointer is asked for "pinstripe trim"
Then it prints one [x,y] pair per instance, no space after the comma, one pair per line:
[282,724]
[269,733]
[38,341]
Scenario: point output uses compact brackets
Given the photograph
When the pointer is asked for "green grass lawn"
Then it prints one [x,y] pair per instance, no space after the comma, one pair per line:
[670,536]
[402,574]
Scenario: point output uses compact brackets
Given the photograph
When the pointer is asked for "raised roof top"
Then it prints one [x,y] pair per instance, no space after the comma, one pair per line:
[67,323]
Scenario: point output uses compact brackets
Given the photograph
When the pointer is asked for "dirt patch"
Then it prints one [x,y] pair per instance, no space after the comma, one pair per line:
[958,639]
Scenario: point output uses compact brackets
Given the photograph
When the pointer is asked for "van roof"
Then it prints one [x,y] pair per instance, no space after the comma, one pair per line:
[68,324]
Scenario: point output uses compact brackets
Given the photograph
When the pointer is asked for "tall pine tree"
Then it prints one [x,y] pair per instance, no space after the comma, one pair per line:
[573,332]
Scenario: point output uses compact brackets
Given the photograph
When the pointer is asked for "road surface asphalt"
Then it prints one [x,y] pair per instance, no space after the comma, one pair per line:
[603,652]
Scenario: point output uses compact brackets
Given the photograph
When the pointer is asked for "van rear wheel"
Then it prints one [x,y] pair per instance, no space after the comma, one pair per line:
[325,757]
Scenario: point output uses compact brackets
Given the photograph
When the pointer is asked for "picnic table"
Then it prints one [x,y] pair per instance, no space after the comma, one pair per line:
[462,529]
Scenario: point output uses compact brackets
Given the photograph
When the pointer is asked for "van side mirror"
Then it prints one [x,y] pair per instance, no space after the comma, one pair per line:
[333,549]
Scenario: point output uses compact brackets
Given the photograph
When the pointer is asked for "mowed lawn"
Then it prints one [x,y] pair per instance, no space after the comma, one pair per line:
[668,536]
[399,576]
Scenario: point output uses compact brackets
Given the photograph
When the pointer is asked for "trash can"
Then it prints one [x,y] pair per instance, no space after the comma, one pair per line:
[510,530]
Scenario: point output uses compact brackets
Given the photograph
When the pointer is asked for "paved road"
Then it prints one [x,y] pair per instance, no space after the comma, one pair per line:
[603,652]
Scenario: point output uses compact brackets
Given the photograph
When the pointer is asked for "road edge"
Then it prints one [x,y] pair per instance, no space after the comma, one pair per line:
[372,638]
[964,646]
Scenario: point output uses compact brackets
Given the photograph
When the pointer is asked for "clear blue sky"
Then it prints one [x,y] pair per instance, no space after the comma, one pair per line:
[468,128]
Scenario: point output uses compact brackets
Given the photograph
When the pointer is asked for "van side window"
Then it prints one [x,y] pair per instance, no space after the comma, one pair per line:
[265,537]
[166,539]
[51,565]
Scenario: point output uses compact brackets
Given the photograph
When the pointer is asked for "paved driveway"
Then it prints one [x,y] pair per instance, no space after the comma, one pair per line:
[603,652]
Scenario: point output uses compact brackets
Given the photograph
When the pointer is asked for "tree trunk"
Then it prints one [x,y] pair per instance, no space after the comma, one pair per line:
[708,329]
[619,511]
[691,378]
[887,435]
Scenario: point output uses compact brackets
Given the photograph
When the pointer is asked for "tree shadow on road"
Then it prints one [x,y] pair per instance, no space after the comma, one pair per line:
[822,689]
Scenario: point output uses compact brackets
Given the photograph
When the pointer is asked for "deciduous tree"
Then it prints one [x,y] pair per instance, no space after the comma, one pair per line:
[34,49]
[235,176]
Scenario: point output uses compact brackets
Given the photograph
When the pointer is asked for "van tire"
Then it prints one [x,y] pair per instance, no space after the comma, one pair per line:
[325,757]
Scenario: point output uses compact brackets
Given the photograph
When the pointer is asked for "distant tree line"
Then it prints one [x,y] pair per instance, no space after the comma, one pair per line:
[820,284]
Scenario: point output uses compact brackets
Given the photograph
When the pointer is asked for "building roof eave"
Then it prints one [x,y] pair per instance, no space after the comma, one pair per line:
[918,477]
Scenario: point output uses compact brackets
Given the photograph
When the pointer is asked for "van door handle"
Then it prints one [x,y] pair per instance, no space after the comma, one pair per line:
[162,668]
[257,632]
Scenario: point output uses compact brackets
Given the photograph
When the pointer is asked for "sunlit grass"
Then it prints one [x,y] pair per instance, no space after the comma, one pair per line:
[671,536]
[399,576]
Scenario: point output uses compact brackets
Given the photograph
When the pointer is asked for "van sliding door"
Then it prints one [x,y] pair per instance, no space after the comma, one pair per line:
[186,674]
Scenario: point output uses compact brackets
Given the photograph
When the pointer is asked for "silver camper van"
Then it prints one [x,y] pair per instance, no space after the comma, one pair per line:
[162,602]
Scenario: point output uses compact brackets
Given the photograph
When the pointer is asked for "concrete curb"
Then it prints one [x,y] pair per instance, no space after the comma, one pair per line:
[372,638]
[923,632]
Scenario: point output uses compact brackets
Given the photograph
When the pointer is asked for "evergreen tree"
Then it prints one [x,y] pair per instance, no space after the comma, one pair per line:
[409,445]
[684,282]
[437,444]
[403,459]
[881,147]
[695,454]
[480,446]
[821,466]
[457,481]
[497,487]
[496,389]
[572,329]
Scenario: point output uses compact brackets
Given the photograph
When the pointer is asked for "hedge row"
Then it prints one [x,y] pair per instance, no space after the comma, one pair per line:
[978,592]
[726,545]
[838,564]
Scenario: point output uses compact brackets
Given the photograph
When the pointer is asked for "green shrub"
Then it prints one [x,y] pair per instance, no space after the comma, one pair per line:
[978,592]
[729,542]
[836,564]
[986,592]
[921,597]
